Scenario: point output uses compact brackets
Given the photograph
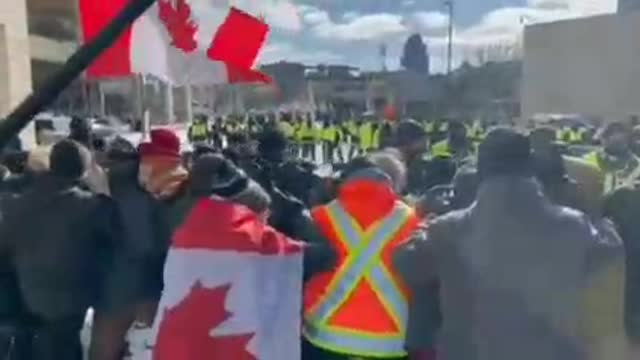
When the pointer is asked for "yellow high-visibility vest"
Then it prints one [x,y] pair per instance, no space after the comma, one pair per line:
[613,180]
[366,134]
[199,131]
[330,133]
[308,133]
[441,149]
[287,129]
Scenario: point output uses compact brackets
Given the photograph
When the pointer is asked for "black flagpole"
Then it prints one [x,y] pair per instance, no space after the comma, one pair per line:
[74,66]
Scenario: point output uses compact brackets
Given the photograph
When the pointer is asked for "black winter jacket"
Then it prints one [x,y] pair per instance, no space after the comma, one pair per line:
[58,238]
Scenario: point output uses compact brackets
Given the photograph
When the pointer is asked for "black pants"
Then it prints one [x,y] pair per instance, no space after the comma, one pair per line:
[56,340]
[328,150]
[15,341]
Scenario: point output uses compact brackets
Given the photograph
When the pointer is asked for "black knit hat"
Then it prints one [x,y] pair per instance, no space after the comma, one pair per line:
[80,130]
[409,131]
[120,149]
[272,141]
[504,152]
[67,160]
[213,174]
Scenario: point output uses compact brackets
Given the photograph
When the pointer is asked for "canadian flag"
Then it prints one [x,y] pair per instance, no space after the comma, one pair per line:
[179,41]
[232,289]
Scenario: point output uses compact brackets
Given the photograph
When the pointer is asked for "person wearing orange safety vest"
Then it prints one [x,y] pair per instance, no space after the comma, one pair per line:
[359,308]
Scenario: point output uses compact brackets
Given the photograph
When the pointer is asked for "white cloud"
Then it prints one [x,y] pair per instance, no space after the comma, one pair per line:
[283,15]
[371,27]
[408,3]
[314,16]
[427,23]
[280,14]
[286,51]
[350,15]
[498,32]
[337,38]
[506,24]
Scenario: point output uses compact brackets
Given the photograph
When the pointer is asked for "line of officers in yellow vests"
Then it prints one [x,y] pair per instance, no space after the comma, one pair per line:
[342,140]
[364,135]
[339,140]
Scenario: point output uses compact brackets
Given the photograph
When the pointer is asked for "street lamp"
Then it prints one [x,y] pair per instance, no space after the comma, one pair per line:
[449,5]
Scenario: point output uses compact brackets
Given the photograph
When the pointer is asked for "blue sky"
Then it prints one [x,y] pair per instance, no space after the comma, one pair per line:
[352,31]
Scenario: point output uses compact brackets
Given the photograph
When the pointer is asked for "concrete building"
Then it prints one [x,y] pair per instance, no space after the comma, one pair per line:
[589,66]
[592,7]
[35,37]
[627,6]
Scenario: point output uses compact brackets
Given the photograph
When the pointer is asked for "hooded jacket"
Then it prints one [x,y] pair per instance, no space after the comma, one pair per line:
[519,277]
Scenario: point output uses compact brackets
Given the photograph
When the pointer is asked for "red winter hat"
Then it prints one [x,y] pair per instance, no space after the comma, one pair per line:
[164,142]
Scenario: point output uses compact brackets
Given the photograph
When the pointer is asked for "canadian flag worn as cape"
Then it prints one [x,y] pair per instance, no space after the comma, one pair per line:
[182,42]
[233,289]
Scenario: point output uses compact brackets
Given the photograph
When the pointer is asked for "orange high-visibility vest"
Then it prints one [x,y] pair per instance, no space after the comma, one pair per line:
[362,308]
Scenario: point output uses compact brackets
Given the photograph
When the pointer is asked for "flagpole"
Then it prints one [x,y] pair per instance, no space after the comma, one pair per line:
[169,103]
[74,66]
[188,98]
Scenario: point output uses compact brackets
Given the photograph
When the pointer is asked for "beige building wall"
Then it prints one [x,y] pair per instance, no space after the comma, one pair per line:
[15,66]
[589,66]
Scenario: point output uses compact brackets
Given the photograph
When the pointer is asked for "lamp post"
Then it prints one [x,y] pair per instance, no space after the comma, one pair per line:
[449,5]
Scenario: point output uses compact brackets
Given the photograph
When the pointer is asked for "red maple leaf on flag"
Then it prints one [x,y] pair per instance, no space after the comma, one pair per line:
[179,24]
[185,329]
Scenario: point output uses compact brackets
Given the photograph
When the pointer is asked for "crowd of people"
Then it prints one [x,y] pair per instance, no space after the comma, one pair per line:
[430,240]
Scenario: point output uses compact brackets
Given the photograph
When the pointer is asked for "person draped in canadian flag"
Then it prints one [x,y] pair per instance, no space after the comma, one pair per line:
[232,284]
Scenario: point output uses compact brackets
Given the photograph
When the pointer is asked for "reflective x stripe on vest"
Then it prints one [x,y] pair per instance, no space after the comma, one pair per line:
[617,180]
[363,263]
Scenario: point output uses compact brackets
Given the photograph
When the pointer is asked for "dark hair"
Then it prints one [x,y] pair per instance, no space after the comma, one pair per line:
[272,140]
[549,167]
[407,132]
[200,150]
[120,149]
[504,152]
[80,131]
[67,160]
